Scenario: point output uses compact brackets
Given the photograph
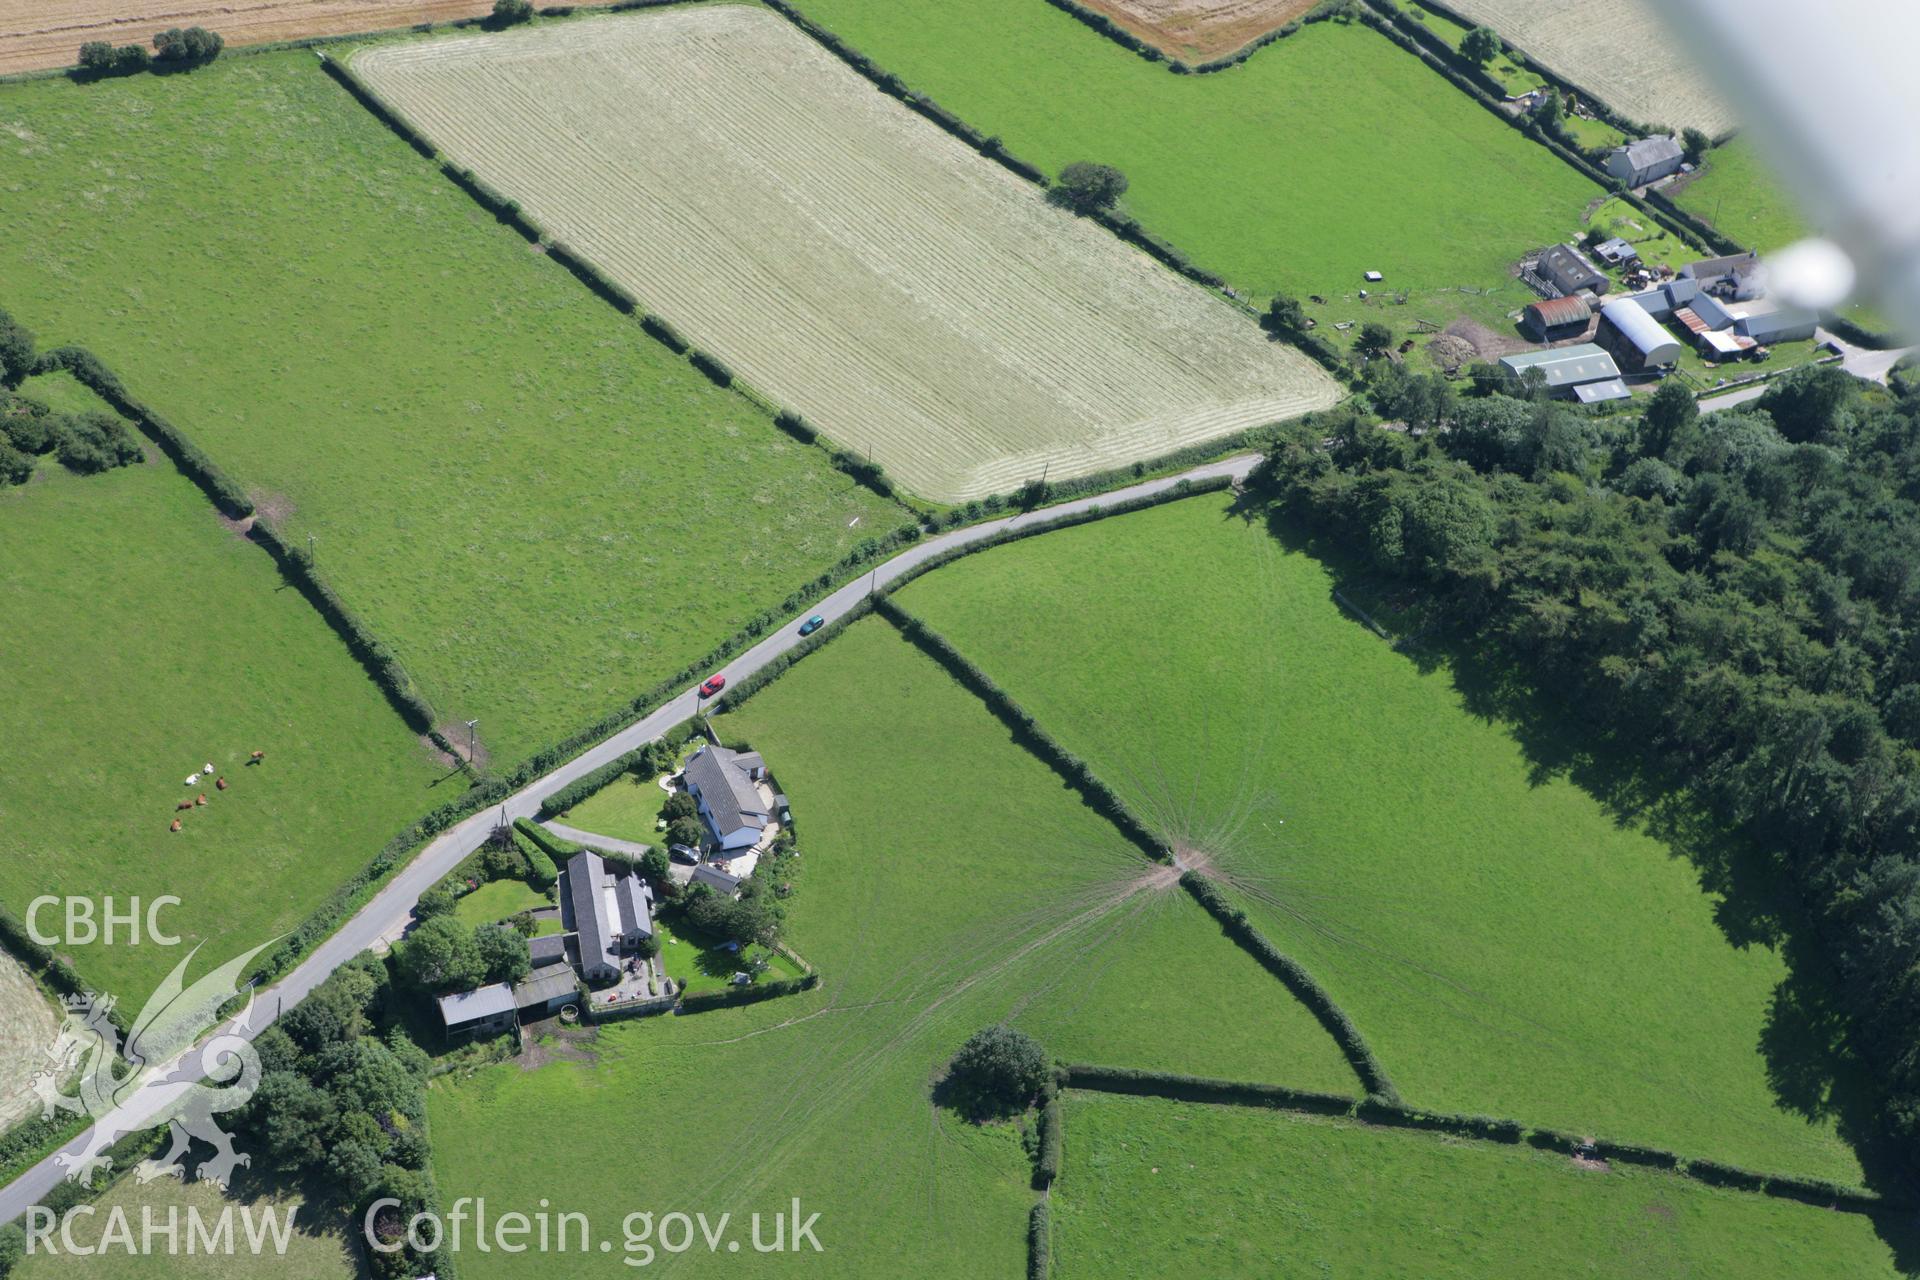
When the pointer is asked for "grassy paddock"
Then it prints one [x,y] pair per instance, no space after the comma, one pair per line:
[1506,946]
[154,640]
[1738,194]
[538,507]
[1327,154]
[1153,1188]
[949,881]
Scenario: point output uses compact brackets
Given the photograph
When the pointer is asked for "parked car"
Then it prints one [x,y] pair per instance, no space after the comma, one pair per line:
[812,625]
[713,685]
[684,853]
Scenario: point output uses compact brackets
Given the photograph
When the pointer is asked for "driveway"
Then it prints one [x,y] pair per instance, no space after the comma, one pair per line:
[1861,362]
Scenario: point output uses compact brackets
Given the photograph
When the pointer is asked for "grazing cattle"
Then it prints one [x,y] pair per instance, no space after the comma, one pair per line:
[175,826]
[207,767]
[257,757]
[221,782]
[192,778]
[201,798]
[184,804]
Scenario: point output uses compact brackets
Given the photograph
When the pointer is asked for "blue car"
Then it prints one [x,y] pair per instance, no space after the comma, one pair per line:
[812,625]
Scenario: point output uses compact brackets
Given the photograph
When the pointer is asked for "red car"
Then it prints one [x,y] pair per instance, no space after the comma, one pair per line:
[713,685]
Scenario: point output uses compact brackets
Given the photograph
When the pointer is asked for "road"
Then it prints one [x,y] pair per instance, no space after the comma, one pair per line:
[385,915]
[1861,362]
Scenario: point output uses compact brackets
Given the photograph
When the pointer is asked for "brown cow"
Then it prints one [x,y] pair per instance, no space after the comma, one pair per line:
[201,798]
[175,826]
[184,804]
[221,782]
[257,757]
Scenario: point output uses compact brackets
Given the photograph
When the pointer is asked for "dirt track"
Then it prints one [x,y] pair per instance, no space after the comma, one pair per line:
[48,33]
[1197,30]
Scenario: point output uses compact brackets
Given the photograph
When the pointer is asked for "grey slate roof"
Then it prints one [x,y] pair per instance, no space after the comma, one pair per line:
[545,987]
[584,872]
[1595,392]
[715,879]
[720,778]
[471,1006]
[1648,152]
[1566,268]
[548,949]
[1733,264]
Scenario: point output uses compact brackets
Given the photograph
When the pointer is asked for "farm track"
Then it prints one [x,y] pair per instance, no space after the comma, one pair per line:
[38,34]
[840,253]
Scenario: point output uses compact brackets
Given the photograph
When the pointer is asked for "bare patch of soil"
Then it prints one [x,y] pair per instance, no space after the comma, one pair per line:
[555,1041]
[1487,344]
[1201,30]
[35,34]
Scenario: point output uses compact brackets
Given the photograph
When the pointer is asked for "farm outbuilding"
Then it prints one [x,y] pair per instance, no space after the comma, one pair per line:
[1644,161]
[1564,269]
[1564,368]
[546,993]
[1637,337]
[1556,318]
[483,1011]
[1601,392]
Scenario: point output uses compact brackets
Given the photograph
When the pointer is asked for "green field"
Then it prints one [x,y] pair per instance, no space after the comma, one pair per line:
[1506,945]
[625,809]
[1155,1188]
[143,640]
[1329,154]
[945,887]
[317,1248]
[539,508]
[496,900]
[1740,196]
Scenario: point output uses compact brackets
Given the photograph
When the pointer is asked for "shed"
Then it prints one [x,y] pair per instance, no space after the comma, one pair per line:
[547,950]
[1641,339]
[1598,392]
[483,1011]
[546,993]
[716,879]
[1556,317]
[1564,368]
[1374,277]
[1564,269]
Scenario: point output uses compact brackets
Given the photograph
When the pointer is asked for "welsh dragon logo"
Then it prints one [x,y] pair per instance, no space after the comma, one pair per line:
[157,1076]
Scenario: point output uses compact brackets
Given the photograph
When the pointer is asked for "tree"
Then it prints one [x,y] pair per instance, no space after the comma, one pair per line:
[502,953]
[15,466]
[187,48]
[1088,188]
[1285,316]
[16,350]
[1374,340]
[13,1247]
[1670,410]
[680,804]
[1813,403]
[1548,113]
[508,12]
[1480,46]
[997,1072]
[1695,143]
[440,955]
[96,55]
[437,901]
[686,831]
[657,868]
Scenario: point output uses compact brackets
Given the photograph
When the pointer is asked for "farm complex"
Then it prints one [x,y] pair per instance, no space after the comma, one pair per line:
[1067,638]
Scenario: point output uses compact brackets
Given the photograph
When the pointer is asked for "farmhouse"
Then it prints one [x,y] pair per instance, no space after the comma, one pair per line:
[1564,368]
[1640,341]
[1563,268]
[1556,318]
[1737,276]
[608,908]
[482,1012]
[1648,160]
[735,794]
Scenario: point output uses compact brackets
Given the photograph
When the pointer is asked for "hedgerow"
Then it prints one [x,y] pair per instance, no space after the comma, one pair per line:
[1046,1165]
[753,993]
[1039,1242]
[1186,1088]
[1303,985]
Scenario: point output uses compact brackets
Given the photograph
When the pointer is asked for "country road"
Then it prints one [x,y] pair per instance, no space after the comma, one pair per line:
[386,914]
[1861,362]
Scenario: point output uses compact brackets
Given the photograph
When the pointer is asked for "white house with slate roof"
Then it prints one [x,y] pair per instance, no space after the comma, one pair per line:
[735,794]
[1648,160]
[609,908]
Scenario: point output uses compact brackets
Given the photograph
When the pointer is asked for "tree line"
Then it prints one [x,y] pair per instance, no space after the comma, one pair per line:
[1727,606]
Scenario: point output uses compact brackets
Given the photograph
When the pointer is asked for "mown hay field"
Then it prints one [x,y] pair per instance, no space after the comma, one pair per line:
[1507,945]
[1327,154]
[947,881]
[540,509]
[144,639]
[1621,51]
[1201,29]
[1152,1188]
[49,33]
[28,1025]
[842,254]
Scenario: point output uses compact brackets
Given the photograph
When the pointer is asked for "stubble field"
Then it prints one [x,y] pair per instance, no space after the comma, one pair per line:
[1619,50]
[843,255]
[1201,29]
[48,33]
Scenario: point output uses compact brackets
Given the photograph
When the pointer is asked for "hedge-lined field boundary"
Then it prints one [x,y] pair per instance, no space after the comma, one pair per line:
[1092,1078]
[509,212]
[1072,770]
[1304,986]
[737,694]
